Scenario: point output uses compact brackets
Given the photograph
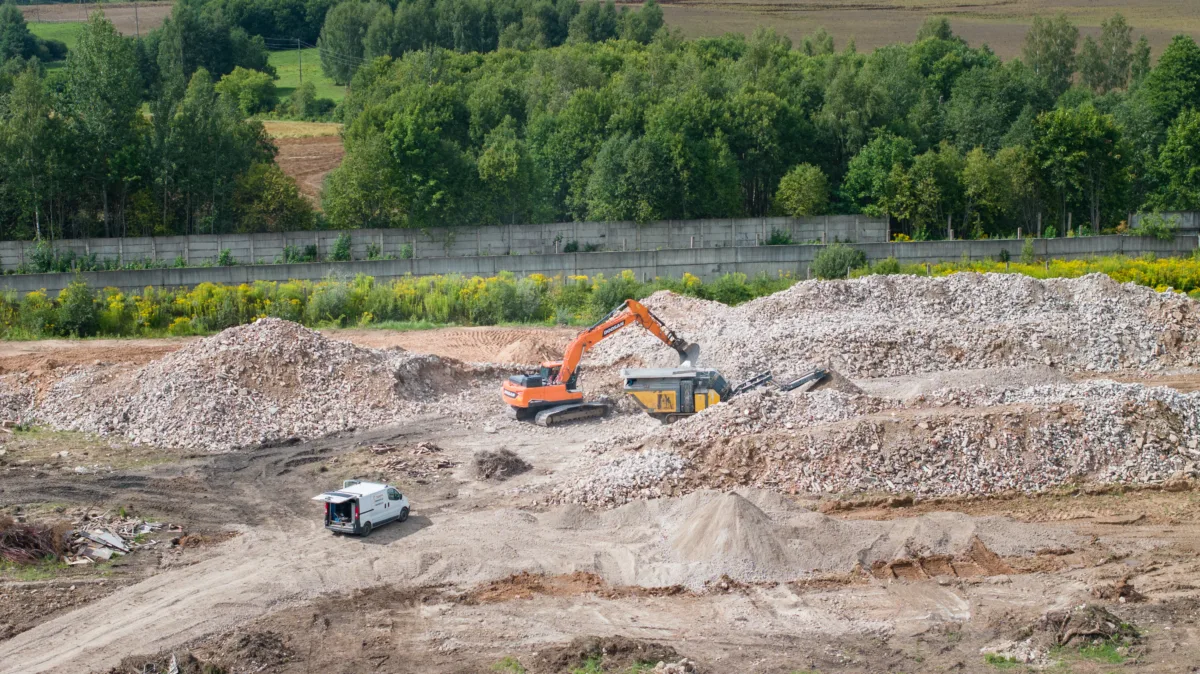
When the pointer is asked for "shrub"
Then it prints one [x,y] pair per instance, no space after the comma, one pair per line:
[779,238]
[1158,226]
[406,251]
[1004,255]
[250,91]
[836,260]
[731,289]
[1027,251]
[607,294]
[571,247]
[886,267]
[37,315]
[374,252]
[341,248]
[77,312]
[225,259]
[1051,232]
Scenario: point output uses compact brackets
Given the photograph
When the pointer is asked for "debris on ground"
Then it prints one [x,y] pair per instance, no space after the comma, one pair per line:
[418,463]
[1086,624]
[885,326]
[22,543]
[499,465]
[253,384]
[614,653]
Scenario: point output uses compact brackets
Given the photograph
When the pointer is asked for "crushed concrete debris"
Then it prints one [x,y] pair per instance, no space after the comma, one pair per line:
[950,442]
[884,326]
[499,465]
[259,383]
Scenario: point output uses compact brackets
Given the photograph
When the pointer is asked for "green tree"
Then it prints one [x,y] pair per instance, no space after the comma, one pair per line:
[868,184]
[1179,163]
[250,91]
[103,87]
[1105,65]
[595,22]
[1174,84]
[1139,64]
[804,190]
[1050,50]
[506,174]
[342,37]
[267,200]
[15,39]
[641,25]
[632,180]
[1081,155]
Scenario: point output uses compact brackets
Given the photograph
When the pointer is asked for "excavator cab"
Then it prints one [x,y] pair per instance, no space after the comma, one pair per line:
[551,395]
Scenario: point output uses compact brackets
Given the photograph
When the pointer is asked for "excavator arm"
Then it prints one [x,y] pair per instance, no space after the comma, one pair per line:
[629,313]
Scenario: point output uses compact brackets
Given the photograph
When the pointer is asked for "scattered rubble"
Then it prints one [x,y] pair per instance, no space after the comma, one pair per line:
[92,537]
[419,463]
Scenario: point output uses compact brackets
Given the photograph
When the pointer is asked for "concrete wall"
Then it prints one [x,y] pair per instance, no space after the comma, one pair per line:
[470,241]
[707,263]
[1189,221]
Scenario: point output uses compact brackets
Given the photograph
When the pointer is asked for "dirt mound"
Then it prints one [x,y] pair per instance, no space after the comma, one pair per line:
[884,326]
[610,654]
[499,465]
[258,383]
[951,442]
[528,351]
[733,530]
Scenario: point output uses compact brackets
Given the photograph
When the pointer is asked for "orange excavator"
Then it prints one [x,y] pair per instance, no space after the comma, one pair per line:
[551,396]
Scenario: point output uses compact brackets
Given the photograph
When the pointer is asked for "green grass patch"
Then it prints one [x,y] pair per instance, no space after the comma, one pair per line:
[1106,652]
[287,71]
[67,32]
[44,570]
[1001,661]
[508,664]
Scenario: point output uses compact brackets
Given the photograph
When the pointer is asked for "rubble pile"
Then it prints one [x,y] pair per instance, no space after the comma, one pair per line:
[951,442]
[626,478]
[259,383]
[881,326]
[91,537]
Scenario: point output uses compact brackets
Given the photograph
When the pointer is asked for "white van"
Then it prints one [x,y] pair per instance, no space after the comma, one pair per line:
[358,507]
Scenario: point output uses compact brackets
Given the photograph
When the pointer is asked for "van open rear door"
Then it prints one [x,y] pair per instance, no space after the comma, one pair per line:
[341,511]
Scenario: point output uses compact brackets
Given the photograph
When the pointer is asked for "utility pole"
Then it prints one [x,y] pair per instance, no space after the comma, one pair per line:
[137,25]
[300,56]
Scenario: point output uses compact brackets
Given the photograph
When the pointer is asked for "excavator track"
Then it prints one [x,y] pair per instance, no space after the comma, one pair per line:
[574,412]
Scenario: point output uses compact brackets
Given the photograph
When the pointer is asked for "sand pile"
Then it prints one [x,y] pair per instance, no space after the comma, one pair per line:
[528,351]
[252,384]
[753,535]
[883,326]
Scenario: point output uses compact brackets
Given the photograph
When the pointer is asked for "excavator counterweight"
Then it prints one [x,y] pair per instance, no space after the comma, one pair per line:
[552,396]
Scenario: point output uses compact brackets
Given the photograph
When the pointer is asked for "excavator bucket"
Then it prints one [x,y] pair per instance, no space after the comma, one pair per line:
[690,355]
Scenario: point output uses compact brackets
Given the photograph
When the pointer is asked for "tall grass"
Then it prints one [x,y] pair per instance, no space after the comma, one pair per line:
[428,301]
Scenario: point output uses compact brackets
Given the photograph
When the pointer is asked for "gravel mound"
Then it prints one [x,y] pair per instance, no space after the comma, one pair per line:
[885,326]
[259,383]
[730,528]
[951,442]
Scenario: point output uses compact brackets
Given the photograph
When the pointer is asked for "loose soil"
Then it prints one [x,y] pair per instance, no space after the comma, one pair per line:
[1001,24]
[127,17]
[308,160]
[487,572]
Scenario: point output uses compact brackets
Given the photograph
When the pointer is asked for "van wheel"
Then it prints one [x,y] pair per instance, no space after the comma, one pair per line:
[403,514]
[366,530]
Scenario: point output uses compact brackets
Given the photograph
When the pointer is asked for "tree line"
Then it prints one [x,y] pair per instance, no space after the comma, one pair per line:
[935,134]
[133,137]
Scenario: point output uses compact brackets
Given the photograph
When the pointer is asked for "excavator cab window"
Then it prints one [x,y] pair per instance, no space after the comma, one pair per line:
[549,373]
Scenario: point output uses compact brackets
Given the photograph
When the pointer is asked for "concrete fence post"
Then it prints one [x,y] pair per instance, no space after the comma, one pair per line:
[253,259]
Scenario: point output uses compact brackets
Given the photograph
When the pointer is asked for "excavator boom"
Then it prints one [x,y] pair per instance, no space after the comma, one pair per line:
[552,396]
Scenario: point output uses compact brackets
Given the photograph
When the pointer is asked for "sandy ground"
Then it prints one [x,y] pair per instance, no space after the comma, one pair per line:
[485,570]
[127,17]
